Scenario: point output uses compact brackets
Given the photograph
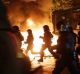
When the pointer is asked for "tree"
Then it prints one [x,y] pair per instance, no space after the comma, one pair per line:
[62,4]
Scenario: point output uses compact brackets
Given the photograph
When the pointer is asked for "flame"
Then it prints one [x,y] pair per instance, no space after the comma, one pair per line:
[37,32]
[54,39]
[30,22]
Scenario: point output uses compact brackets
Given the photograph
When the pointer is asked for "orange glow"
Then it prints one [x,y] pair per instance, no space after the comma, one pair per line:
[37,44]
[37,32]
[30,22]
[54,39]
[31,55]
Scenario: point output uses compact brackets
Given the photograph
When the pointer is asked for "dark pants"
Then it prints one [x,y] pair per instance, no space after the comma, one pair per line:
[44,46]
[29,47]
[65,62]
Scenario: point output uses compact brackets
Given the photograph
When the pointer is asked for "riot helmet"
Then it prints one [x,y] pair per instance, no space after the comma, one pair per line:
[46,27]
[61,26]
[16,28]
[29,31]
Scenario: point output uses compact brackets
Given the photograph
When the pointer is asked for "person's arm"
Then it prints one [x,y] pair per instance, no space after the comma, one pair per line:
[26,42]
[20,36]
[41,37]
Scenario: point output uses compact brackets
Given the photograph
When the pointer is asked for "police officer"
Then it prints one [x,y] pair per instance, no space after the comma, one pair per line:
[19,36]
[47,41]
[65,49]
[29,41]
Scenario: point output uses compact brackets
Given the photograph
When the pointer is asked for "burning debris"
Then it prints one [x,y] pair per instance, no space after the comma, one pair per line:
[21,10]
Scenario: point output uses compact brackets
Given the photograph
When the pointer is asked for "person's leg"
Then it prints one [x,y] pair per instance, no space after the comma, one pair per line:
[54,53]
[31,48]
[73,68]
[27,49]
[42,53]
[60,65]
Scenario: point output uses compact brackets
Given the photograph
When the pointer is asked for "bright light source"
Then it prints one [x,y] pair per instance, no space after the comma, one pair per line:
[37,32]
[29,22]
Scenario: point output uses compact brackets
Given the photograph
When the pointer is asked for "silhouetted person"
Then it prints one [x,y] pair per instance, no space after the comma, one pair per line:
[65,47]
[74,36]
[74,44]
[19,36]
[47,41]
[23,62]
[8,44]
[29,41]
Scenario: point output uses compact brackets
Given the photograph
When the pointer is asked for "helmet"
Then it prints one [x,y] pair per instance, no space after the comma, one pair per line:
[46,27]
[16,28]
[61,26]
[29,30]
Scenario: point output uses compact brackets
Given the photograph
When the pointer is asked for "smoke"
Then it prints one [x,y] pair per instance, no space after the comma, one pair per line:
[20,10]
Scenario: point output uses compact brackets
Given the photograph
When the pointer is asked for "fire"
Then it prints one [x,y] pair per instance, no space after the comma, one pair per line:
[37,44]
[54,39]
[37,32]
[30,22]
